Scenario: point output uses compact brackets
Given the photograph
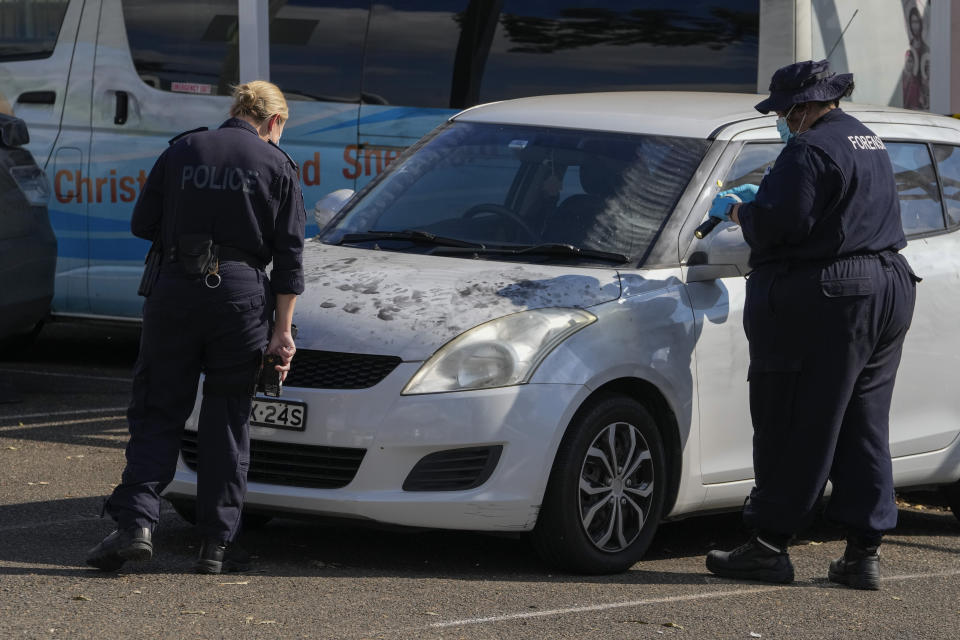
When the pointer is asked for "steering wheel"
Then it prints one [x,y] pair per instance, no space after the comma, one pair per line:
[501,211]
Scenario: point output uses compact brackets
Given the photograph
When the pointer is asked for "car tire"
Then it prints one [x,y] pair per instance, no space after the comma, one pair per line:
[598,518]
[952,493]
[187,509]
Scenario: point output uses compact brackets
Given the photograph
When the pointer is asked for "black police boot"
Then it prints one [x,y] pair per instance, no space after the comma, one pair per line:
[134,544]
[859,567]
[754,560]
[219,557]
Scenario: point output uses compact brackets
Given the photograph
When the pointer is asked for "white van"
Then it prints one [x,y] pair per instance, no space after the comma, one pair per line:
[103,84]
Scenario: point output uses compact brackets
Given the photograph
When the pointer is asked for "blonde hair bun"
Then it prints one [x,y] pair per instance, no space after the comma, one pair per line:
[258,100]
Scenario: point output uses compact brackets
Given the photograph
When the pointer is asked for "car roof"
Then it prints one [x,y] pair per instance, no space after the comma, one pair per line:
[678,113]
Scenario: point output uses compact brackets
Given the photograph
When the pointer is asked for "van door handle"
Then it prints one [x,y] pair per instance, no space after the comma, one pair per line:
[37,97]
[120,115]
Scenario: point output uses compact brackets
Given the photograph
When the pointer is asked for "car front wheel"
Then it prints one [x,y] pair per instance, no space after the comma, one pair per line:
[606,491]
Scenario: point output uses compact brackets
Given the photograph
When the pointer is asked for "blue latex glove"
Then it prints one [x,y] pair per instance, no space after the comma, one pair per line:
[719,207]
[746,192]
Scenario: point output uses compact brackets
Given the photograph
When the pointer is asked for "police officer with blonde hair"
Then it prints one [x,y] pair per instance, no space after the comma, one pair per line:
[829,302]
[219,206]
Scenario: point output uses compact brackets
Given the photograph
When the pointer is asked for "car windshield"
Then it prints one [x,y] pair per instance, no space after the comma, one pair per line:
[484,188]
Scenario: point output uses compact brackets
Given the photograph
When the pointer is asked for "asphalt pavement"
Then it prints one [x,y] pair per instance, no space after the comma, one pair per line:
[62,433]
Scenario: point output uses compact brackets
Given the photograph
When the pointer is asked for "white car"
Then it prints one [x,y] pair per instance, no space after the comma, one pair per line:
[506,331]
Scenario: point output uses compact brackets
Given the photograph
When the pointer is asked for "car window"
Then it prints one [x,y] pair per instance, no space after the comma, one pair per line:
[499,184]
[184,46]
[28,29]
[920,208]
[948,165]
[752,164]
[316,48]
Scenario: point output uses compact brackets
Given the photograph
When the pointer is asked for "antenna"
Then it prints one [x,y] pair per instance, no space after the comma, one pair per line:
[855,11]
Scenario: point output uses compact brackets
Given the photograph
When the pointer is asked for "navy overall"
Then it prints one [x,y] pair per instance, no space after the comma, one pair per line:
[829,302]
[244,193]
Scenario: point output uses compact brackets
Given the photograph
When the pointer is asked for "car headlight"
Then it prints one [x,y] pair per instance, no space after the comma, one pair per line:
[498,353]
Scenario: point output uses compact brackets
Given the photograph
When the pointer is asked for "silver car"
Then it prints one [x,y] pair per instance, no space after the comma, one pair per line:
[507,330]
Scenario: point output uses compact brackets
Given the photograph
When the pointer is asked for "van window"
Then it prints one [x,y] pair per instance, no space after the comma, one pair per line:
[185,46]
[29,28]
[948,164]
[431,53]
[411,47]
[920,208]
[544,46]
[316,48]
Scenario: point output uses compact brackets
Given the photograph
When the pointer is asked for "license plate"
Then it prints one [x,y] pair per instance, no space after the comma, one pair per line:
[279,414]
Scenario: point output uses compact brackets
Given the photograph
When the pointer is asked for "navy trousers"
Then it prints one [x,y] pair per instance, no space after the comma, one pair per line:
[189,328]
[825,344]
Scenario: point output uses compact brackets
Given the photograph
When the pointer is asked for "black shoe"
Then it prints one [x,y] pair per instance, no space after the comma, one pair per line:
[217,557]
[134,544]
[858,567]
[755,560]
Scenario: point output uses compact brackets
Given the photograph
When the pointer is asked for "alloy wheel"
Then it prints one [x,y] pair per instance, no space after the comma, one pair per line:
[616,487]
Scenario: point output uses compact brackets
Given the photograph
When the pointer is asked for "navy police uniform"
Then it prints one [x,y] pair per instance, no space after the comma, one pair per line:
[230,186]
[829,302]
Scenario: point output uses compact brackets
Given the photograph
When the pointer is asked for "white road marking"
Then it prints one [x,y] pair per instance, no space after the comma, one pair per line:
[639,603]
[72,412]
[60,423]
[85,376]
[598,607]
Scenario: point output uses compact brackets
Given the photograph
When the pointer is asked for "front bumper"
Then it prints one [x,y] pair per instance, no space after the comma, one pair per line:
[398,431]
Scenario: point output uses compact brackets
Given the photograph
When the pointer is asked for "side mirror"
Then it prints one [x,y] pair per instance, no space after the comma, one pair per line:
[13,131]
[722,254]
[329,206]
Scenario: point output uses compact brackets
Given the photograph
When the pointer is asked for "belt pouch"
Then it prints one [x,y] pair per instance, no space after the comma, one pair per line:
[196,253]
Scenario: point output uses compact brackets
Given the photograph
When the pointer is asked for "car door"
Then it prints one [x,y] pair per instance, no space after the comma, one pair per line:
[726,432]
[925,415]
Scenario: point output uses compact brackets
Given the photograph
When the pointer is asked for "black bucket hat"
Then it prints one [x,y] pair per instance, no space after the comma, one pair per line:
[807,81]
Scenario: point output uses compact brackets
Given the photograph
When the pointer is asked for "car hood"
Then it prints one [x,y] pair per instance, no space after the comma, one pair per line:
[409,305]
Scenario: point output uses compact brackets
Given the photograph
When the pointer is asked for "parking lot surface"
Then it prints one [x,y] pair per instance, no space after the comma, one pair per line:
[62,433]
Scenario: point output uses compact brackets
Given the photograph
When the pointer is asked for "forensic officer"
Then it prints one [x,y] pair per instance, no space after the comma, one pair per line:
[828,304]
[221,205]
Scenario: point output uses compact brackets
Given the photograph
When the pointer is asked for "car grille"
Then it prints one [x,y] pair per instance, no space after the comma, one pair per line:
[453,470]
[291,464]
[332,370]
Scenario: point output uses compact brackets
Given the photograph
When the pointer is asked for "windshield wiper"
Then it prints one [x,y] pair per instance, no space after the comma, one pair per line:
[548,249]
[413,235]
[560,249]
